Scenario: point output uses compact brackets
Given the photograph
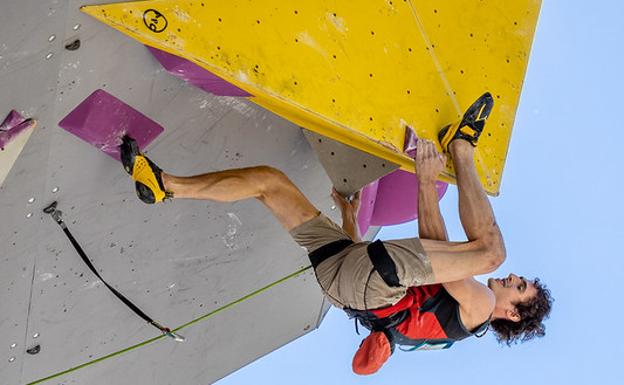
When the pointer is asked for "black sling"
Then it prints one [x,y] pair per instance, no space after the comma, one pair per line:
[56,215]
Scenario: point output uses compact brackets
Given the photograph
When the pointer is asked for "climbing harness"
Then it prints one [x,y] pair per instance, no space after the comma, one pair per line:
[56,215]
[379,257]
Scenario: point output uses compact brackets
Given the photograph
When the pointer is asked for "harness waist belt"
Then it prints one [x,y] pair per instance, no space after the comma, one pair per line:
[328,250]
[371,322]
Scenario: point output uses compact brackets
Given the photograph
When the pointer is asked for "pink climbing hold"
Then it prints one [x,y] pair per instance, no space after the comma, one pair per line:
[397,199]
[102,120]
[12,126]
[367,206]
[393,199]
[196,75]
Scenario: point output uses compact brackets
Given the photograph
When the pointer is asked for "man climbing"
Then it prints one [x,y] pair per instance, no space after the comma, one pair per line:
[435,316]
[416,291]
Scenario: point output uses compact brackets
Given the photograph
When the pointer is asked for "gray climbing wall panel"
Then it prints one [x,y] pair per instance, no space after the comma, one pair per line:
[178,261]
[348,168]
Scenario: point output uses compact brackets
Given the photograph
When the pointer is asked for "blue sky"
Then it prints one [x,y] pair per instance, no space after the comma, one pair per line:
[560,211]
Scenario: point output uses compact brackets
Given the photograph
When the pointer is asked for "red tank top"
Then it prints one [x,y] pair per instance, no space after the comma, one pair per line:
[431,318]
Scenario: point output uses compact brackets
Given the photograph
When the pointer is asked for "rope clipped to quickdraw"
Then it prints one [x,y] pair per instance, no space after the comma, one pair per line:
[56,215]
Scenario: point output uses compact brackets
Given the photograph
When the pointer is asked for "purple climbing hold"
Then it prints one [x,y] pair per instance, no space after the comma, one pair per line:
[409,143]
[13,125]
[102,120]
[397,198]
[367,206]
[393,199]
[196,75]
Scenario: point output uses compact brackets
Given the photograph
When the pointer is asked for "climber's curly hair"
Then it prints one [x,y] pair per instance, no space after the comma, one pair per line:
[532,314]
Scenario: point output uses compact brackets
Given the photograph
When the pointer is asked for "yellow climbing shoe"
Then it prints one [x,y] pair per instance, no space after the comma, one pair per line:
[471,125]
[147,176]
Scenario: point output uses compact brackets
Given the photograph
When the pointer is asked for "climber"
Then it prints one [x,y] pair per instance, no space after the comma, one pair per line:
[396,288]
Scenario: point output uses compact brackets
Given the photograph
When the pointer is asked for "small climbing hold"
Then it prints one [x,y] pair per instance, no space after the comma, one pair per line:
[34,350]
[74,45]
[11,126]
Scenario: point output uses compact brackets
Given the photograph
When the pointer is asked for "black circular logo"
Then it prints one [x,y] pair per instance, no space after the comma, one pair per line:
[154,20]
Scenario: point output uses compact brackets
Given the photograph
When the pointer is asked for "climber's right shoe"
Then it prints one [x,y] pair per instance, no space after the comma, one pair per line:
[471,125]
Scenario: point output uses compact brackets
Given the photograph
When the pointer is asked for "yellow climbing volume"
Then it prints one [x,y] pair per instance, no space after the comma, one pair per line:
[355,71]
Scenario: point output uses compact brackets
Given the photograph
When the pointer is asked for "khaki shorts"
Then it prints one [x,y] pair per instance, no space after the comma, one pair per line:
[348,278]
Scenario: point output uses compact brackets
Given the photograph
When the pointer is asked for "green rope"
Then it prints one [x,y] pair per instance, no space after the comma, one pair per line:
[216,311]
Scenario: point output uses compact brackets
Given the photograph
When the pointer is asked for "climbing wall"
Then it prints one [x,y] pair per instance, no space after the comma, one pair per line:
[357,72]
[227,274]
